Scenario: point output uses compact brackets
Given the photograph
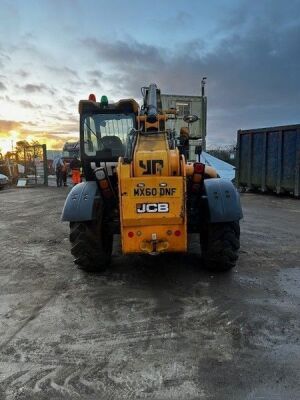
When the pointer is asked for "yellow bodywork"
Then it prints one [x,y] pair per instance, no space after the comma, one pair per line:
[154,147]
[152,193]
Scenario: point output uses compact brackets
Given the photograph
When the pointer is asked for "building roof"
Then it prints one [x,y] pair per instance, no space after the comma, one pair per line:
[51,154]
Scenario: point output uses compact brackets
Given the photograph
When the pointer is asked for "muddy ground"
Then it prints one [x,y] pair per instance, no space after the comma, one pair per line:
[149,328]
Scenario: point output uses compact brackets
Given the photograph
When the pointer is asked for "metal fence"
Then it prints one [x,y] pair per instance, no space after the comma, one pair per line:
[26,166]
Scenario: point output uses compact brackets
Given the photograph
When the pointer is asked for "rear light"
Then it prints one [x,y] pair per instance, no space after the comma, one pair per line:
[199,168]
[92,97]
[104,184]
[177,233]
[130,234]
[197,178]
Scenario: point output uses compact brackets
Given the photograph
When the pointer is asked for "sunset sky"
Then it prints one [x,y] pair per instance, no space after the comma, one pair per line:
[55,52]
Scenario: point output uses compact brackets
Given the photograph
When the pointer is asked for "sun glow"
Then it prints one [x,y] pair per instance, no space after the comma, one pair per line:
[8,141]
[29,138]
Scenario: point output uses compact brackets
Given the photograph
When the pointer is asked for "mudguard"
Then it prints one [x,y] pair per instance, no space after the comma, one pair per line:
[223,200]
[81,203]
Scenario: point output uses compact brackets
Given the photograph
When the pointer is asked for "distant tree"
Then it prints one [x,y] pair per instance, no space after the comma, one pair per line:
[226,153]
[28,151]
[20,148]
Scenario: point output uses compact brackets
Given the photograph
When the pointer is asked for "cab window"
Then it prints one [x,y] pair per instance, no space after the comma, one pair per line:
[105,135]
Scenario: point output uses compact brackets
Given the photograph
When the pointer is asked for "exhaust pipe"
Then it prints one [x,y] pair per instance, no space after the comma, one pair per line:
[152,103]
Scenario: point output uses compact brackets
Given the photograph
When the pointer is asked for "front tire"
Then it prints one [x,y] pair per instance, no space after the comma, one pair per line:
[220,243]
[91,245]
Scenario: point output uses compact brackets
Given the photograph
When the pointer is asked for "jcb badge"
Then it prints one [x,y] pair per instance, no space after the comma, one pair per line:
[143,208]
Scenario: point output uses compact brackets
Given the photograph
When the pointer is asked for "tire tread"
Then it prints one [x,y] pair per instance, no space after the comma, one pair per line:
[90,251]
[220,244]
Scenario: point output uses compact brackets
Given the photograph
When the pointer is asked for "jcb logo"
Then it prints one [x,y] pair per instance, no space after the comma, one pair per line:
[143,208]
[151,167]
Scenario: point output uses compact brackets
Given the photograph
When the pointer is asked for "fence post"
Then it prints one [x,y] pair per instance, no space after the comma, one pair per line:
[45,164]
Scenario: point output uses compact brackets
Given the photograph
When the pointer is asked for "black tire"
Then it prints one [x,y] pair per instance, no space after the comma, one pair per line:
[91,245]
[219,245]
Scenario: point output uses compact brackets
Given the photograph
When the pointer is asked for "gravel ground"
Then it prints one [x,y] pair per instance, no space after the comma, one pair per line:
[149,328]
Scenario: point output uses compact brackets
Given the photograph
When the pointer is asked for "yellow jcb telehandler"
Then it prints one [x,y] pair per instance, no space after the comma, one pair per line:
[139,185]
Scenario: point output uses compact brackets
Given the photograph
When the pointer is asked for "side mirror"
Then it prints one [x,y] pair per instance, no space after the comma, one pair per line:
[189,119]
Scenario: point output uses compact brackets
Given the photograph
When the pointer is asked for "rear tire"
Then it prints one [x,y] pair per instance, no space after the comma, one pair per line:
[220,243]
[91,245]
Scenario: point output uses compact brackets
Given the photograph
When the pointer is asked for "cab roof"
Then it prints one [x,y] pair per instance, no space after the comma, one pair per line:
[125,106]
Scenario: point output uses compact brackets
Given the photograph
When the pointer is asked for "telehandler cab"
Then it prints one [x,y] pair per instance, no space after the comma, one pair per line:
[139,185]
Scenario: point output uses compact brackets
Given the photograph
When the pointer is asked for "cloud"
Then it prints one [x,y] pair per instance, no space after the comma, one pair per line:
[66,71]
[181,19]
[95,83]
[251,56]
[23,73]
[4,58]
[31,88]
[95,78]
[32,106]
[70,100]
[95,74]
[26,104]
[252,70]
[70,91]
[124,52]
[6,99]
[2,86]
[242,70]
[25,131]
[6,126]
[178,21]
[36,88]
